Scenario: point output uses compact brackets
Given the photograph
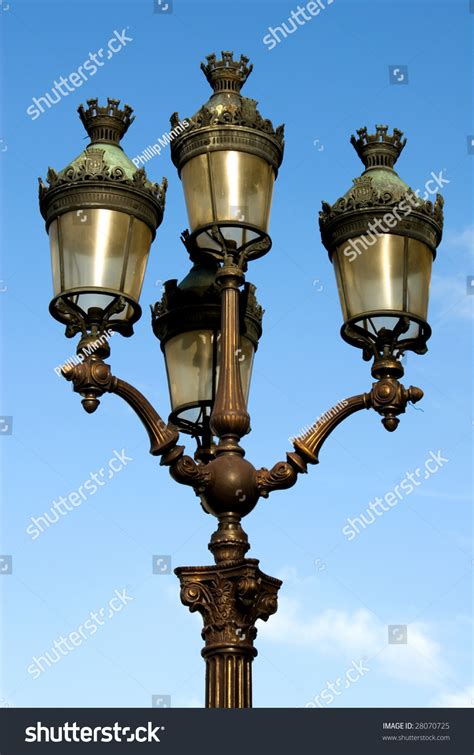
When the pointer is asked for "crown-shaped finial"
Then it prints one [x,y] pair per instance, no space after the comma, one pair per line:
[227,74]
[378,150]
[106,124]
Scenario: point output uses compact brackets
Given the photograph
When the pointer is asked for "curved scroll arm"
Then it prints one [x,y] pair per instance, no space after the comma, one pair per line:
[92,378]
[388,397]
[284,474]
[309,444]
[162,438]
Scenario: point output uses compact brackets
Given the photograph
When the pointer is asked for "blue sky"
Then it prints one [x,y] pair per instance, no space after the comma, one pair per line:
[413,565]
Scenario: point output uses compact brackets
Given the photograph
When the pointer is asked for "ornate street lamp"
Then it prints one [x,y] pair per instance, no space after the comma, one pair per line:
[187,321]
[101,215]
[228,158]
[382,239]
[209,324]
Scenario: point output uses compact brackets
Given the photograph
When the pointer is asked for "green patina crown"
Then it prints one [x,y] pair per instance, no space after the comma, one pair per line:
[102,175]
[378,191]
[227,120]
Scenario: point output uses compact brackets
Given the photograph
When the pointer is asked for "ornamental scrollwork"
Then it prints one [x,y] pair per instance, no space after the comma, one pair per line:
[363,195]
[92,166]
[245,114]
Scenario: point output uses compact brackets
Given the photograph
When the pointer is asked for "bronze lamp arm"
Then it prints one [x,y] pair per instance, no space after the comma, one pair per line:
[93,377]
[388,397]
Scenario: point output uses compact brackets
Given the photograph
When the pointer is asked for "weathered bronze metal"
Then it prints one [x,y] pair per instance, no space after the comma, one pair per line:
[378,190]
[232,594]
[213,126]
[389,399]
[96,320]
[93,377]
[98,178]
[230,420]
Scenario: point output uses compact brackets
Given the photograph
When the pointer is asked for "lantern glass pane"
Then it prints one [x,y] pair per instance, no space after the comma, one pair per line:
[420,260]
[192,366]
[391,275]
[228,186]
[99,249]
[189,363]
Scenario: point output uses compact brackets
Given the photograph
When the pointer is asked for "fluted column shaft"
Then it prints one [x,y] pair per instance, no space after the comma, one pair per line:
[230,596]
[229,677]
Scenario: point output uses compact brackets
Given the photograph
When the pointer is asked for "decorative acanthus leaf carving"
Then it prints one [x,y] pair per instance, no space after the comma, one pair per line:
[230,600]
[281,476]
[187,472]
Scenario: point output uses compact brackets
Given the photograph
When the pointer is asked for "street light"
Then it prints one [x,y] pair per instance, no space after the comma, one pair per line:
[228,158]
[187,321]
[101,215]
[382,239]
[210,323]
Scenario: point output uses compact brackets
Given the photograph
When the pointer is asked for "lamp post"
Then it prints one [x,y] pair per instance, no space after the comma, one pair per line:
[101,214]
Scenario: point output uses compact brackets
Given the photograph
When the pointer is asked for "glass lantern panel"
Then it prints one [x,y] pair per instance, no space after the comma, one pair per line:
[99,249]
[228,186]
[375,324]
[420,261]
[374,279]
[391,275]
[55,256]
[191,364]
[140,242]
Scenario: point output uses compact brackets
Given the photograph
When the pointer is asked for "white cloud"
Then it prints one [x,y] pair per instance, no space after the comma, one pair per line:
[449,297]
[448,293]
[460,240]
[329,631]
[420,661]
[461,699]
[359,634]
